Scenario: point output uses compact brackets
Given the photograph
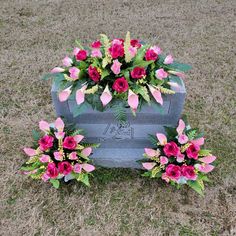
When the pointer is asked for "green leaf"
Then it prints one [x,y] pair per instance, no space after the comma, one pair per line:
[104,73]
[140,54]
[36,135]
[191,133]
[147,174]
[119,113]
[155,171]
[176,66]
[195,185]
[171,132]
[28,168]
[84,179]
[142,63]
[152,139]
[55,183]
[204,152]
[143,92]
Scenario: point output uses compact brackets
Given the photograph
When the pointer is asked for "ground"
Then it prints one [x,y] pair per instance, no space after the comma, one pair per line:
[35,36]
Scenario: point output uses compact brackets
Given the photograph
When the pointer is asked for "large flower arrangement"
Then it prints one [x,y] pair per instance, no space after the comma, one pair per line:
[117,74]
[179,157]
[59,154]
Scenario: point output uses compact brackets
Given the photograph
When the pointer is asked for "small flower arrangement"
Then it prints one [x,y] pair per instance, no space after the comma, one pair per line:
[117,73]
[179,157]
[59,154]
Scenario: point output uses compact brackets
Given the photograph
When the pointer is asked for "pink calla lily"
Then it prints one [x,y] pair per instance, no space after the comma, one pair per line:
[67,61]
[132,51]
[199,141]
[73,156]
[57,70]
[88,168]
[207,159]
[96,53]
[161,138]
[151,152]
[116,67]
[78,138]
[44,126]
[86,151]
[64,94]
[163,160]
[148,165]
[156,94]
[75,51]
[205,168]
[59,124]
[77,168]
[80,95]
[180,127]
[161,74]
[106,96]
[133,100]
[182,139]
[30,152]
[168,60]
[45,158]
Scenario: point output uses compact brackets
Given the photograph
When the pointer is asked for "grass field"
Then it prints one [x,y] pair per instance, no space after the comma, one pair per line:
[35,35]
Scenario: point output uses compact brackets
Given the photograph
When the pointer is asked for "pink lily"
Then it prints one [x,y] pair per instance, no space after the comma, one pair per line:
[58,156]
[180,157]
[75,51]
[181,127]
[64,94]
[165,177]
[183,138]
[116,67]
[74,73]
[106,96]
[44,126]
[163,160]
[205,168]
[86,151]
[73,156]
[78,138]
[45,177]
[132,51]
[60,135]
[156,49]
[80,95]
[161,138]
[77,168]
[96,53]
[45,158]
[161,74]
[148,165]
[133,100]
[59,124]
[67,61]
[199,141]
[57,70]
[30,152]
[156,94]
[151,152]
[168,60]
[207,159]
[88,168]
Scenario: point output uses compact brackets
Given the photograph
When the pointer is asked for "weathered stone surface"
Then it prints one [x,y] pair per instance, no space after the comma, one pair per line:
[122,145]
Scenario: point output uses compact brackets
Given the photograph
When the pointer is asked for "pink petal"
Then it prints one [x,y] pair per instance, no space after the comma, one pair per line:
[74,72]
[132,51]
[133,100]
[182,139]
[156,49]
[180,127]
[87,151]
[80,95]
[168,60]
[156,94]
[73,156]
[64,94]
[44,158]
[77,168]
[150,152]
[78,138]
[206,168]
[45,177]
[207,159]
[75,51]
[96,53]
[163,160]
[67,61]
[58,156]
[88,167]
[161,138]
[116,67]
[59,124]
[44,126]
[161,74]
[60,135]
[106,96]
[57,70]
[198,142]
[148,165]
[180,157]
[30,151]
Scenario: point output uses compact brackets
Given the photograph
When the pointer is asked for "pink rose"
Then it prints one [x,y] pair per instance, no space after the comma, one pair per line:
[65,167]
[171,149]
[52,171]
[96,53]
[182,139]
[151,55]
[138,73]
[161,74]
[118,41]
[74,73]
[192,151]
[44,158]
[163,160]
[96,44]
[81,55]
[69,143]
[173,172]
[116,50]
[46,142]
[168,60]
[94,74]
[120,85]
[135,43]
[188,172]
[78,168]
[67,61]
[116,67]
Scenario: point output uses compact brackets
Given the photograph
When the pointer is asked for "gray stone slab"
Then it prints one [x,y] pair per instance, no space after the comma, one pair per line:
[122,145]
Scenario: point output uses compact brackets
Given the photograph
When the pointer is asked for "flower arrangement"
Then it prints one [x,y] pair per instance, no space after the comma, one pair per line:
[179,157]
[59,154]
[117,73]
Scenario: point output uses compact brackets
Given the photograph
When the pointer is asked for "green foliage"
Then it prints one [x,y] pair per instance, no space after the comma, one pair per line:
[106,44]
[36,135]
[119,113]
[55,183]
[143,92]
[197,186]
[204,152]
[191,133]
[140,55]
[155,171]
[171,132]
[176,66]
[153,139]
[84,178]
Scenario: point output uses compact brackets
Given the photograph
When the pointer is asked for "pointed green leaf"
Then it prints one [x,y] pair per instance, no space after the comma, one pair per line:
[55,183]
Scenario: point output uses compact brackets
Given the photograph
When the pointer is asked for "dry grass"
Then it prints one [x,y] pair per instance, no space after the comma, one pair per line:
[35,36]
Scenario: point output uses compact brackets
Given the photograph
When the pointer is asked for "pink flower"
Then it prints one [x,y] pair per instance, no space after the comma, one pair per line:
[81,55]
[148,165]
[106,96]
[69,143]
[132,51]
[192,151]
[44,158]
[135,43]
[94,74]
[116,67]
[138,73]
[207,159]
[86,151]
[65,167]
[45,177]
[96,53]
[57,70]
[44,126]
[156,49]
[120,85]
[164,177]
[88,168]
[156,94]
[30,151]
[96,44]
[116,50]
[58,156]
[79,95]
[73,156]
[181,127]
[60,135]
[59,124]
[161,74]
[52,171]
[173,172]
[199,141]
[205,168]
[75,51]
[46,142]
[163,160]
[74,73]
[133,100]
[188,172]
[118,41]
[78,138]
[180,157]
[168,60]
[151,152]
[151,55]
[78,168]
[64,94]
[182,139]
[67,61]
[161,138]
[171,149]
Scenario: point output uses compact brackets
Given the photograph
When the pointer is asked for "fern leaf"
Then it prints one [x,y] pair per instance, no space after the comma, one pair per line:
[165,90]
[144,93]
[119,113]
[128,56]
